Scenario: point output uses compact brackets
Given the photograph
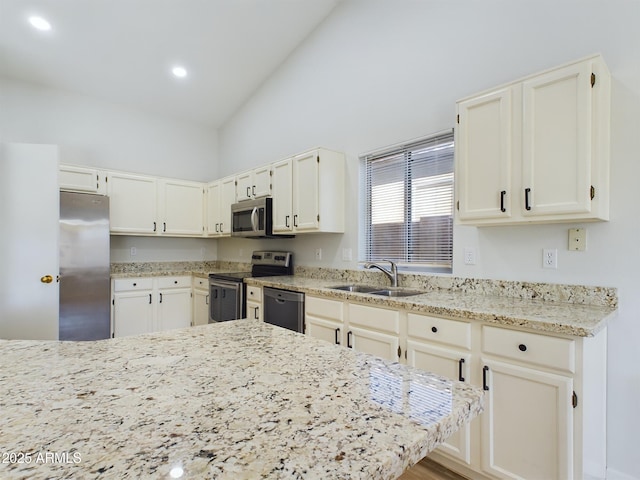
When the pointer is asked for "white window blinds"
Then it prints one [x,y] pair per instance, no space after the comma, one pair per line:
[409,203]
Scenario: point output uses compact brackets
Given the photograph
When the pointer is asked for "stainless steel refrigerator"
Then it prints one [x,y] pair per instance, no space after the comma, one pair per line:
[84,267]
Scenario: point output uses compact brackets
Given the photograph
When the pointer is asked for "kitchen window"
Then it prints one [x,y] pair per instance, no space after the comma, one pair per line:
[409,204]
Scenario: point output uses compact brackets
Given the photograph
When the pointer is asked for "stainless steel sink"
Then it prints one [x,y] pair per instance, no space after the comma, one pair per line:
[402,292]
[356,288]
[383,292]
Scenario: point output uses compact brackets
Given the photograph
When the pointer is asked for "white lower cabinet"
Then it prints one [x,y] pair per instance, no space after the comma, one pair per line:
[545,395]
[254,303]
[145,304]
[200,301]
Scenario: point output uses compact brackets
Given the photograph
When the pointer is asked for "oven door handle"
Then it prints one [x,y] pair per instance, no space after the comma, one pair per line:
[254,219]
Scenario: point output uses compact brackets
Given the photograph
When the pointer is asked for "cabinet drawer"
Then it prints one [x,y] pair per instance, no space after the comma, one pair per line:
[372,317]
[552,352]
[201,283]
[124,284]
[441,330]
[174,282]
[324,308]
[254,294]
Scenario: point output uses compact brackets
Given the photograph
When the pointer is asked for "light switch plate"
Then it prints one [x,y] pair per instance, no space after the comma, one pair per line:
[578,239]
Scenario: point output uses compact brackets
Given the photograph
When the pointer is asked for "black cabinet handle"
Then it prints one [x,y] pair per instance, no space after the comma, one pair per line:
[522,347]
[160,298]
[149,299]
[527,192]
[460,363]
[206,300]
[502,195]
[349,334]
[154,226]
[295,220]
[221,229]
[337,333]
[286,221]
[135,284]
[434,329]
[255,313]
[164,226]
[253,190]
[248,194]
[485,369]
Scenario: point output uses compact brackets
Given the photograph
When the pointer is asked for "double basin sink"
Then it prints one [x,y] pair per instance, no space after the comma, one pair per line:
[372,290]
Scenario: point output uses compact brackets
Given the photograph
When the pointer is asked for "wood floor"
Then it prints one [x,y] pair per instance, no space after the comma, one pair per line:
[428,470]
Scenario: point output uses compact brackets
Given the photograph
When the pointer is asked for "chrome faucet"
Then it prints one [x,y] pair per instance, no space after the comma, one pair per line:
[392,274]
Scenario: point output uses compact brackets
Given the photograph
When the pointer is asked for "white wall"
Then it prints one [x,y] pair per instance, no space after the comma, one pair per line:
[378,72]
[111,136]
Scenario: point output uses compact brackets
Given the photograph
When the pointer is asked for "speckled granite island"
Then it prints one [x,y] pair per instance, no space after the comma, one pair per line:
[236,400]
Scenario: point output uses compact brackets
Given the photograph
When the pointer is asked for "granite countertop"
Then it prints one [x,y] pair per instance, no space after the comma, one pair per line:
[534,314]
[235,400]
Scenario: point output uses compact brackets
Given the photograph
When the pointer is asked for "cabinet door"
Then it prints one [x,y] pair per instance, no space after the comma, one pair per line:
[78,179]
[376,343]
[213,208]
[132,313]
[556,141]
[132,203]
[324,329]
[527,424]
[174,308]
[227,198]
[453,364]
[200,307]
[254,310]
[182,207]
[261,182]
[282,196]
[484,156]
[244,186]
[305,192]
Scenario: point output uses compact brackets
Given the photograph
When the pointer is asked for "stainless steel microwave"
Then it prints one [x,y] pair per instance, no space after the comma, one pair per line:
[253,219]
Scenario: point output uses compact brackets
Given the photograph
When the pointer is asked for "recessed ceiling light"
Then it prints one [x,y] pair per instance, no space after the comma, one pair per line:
[40,23]
[180,72]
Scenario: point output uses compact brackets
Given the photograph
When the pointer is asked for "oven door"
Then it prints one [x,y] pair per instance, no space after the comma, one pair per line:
[226,300]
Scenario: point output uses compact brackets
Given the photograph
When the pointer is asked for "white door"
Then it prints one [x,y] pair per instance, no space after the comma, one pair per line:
[527,425]
[132,313]
[282,197]
[454,365]
[200,307]
[132,203]
[182,207]
[213,209]
[376,343]
[306,193]
[556,141]
[244,186]
[261,182]
[174,308]
[29,215]
[227,198]
[484,156]
[324,329]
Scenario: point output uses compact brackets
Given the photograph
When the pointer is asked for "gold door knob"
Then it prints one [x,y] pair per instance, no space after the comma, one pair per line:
[46,279]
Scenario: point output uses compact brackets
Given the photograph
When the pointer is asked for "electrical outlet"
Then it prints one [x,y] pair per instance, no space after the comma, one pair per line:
[469,256]
[133,251]
[318,254]
[578,239]
[550,258]
[347,254]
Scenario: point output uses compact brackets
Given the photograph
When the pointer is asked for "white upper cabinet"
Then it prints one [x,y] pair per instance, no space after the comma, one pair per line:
[72,178]
[221,194]
[536,150]
[133,206]
[254,184]
[314,199]
[144,205]
[182,207]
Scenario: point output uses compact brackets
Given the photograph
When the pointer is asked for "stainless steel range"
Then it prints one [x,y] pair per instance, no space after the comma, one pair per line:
[227,290]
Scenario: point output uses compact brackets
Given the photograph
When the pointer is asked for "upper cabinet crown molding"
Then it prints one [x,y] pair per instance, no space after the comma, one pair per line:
[536,150]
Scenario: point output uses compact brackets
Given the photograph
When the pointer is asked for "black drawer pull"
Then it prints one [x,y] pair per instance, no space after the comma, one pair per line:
[527,191]
[337,333]
[522,347]
[434,329]
[134,284]
[460,363]
[485,369]
[502,194]
[349,334]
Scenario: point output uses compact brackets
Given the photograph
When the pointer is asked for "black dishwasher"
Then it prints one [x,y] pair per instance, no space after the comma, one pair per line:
[284,308]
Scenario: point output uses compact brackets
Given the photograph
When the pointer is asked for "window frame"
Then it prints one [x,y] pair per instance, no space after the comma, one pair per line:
[444,138]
